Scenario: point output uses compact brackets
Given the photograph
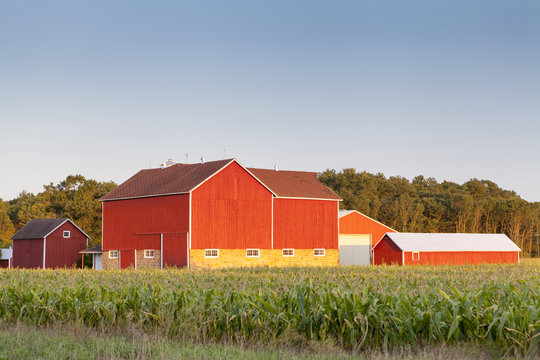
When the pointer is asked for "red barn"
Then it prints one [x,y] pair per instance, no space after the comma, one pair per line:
[218,214]
[445,249]
[357,234]
[48,243]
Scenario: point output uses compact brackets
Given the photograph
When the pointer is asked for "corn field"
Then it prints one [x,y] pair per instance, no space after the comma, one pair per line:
[357,308]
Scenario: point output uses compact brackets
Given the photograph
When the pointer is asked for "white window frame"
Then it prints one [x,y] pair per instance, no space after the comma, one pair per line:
[320,250]
[113,252]
[147,252]
[66,234]
[207,251]
[253,256]
[416,253]
[287,255]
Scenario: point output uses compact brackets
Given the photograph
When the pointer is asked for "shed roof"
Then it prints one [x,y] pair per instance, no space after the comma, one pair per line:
[6,254]
[295,184]
[39,228]
[92,250]
[452,242]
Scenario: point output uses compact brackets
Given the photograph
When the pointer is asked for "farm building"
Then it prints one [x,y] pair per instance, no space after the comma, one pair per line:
[48,243]
[5,258]
[357,234]
[218,214]
[95,252]
[445,249]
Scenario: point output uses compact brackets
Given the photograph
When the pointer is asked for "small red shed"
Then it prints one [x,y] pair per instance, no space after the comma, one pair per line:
[357,234]
[5,258]
[48,243]
[445,249]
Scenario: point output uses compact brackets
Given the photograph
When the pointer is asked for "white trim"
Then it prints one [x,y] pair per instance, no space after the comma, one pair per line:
[253,256]
[403,258]
[117,255]
[211,256]
[283,254]
[68,234]
[272,227]
[145,196]
[149,257]
[135,262]
[161,250]
[189,225]
[44,249]
[307,198]
[72,223]
[323,252]
[412,255]
[188,249]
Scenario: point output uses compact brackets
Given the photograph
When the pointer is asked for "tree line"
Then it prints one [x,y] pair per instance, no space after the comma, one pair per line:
[420,205]
[425,205]
[75,197]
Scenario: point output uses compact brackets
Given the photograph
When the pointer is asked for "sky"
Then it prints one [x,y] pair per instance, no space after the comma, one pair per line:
[446,89]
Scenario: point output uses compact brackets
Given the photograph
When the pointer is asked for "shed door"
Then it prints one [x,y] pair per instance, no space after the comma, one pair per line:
[127,258]
[354,249]
[175,249]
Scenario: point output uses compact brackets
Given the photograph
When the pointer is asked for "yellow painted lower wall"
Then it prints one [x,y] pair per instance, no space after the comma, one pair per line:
[268,257]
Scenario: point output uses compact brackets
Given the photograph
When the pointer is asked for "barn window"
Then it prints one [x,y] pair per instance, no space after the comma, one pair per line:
[211,253]
[113,254]
[319,252]
[149,254]
[416,255]
[252,253]
[288,252]
[67,234]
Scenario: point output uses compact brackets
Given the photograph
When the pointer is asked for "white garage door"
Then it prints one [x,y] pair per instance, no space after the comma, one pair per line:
[354,249]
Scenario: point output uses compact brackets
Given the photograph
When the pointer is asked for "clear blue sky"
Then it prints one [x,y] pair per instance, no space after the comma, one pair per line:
[448,89]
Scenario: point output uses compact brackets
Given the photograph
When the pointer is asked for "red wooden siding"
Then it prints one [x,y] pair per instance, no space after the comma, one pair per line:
[134,223]
[386,252]
[4,263]
[175,250]
[355,223]
[463,257]
[305,224]
[231,210]
[64,252]
[127,258]
[28,253]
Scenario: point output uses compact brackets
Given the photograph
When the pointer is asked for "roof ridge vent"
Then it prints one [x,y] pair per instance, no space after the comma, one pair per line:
[203,159]
[167,163]
[276,168]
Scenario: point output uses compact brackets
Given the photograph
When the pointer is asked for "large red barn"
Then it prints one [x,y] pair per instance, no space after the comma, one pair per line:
[217,214]
[445,249]
[48,243]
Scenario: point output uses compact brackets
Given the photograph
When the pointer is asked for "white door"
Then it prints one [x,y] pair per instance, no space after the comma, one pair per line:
[354,249]
[97,262]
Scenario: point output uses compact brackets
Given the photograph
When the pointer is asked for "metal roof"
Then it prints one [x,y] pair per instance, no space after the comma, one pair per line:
[342,213]
[452,242]
[6,254]
[92,250]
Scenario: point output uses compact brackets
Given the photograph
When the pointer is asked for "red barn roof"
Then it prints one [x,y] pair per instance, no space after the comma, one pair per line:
[39,228]
[184,178]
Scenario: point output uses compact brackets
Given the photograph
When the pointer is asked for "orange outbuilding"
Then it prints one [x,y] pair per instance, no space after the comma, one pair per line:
[357,234]
[445,249]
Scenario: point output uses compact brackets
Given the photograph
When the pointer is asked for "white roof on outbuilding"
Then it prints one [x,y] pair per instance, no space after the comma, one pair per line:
[6,254]
[452,242]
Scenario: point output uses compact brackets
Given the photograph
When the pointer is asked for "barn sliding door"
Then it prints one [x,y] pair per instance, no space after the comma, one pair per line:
[127,258]
[175,249]
[354,249]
